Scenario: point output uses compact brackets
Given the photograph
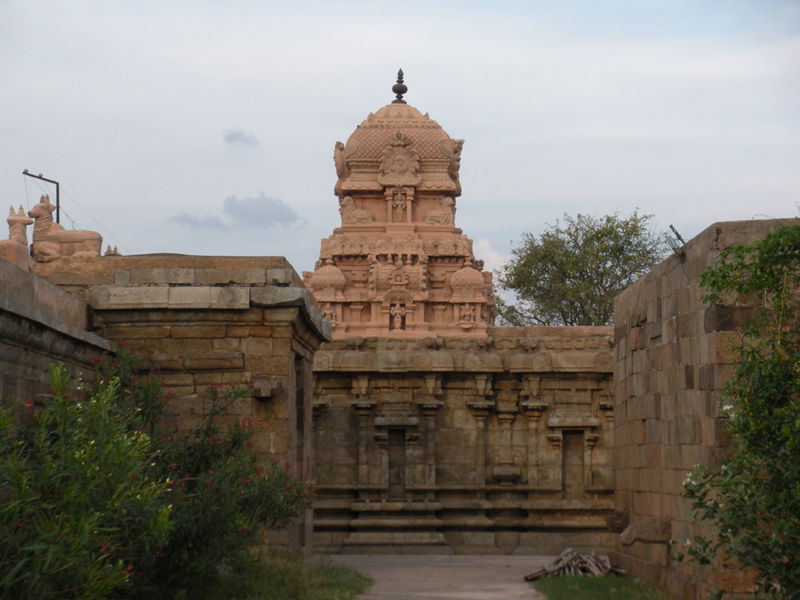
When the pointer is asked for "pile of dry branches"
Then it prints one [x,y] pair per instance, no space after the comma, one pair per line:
[570,562]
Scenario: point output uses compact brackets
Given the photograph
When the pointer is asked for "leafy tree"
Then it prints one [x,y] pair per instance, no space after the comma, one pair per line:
[570,274]
[753,500]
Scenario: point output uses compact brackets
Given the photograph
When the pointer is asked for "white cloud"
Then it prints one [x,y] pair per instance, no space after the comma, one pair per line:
[492,259]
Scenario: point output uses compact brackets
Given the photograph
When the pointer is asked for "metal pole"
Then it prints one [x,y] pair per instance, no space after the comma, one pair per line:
[58,191]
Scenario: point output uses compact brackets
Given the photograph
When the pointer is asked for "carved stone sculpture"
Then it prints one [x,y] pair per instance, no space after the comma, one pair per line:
[51,240]
[339,160]
[399,163]
[442,215]
[15,248]
[352,214]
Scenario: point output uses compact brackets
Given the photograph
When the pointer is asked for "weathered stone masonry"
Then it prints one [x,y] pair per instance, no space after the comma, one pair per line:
[461,445]
[41,325]
[672,360]
[210,320]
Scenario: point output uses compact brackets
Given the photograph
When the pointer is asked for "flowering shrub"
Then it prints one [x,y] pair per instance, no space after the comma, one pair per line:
[79,514]
[753,501]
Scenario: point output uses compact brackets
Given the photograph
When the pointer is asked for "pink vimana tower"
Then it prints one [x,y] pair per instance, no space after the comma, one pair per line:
[398,266]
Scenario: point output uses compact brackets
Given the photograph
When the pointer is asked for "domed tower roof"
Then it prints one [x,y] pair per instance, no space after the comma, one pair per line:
[468,284]
[398,266]
[327,283]
[434,155]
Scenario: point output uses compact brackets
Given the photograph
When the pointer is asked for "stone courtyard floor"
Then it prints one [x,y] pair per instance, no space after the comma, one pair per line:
[446,577]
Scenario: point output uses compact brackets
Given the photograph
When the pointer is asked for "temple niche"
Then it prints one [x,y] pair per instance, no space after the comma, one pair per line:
[398,265]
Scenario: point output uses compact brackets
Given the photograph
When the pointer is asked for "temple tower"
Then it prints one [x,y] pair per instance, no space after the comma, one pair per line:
[398,266]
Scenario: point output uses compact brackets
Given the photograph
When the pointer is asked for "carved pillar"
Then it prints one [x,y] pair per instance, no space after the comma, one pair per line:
[590,441]
[480,406]
[429,404]
[533,407]
[363,406]
[504,470]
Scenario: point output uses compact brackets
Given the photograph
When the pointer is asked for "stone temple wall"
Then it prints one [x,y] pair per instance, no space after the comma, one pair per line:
[671,363]
[496,445]
[41,325]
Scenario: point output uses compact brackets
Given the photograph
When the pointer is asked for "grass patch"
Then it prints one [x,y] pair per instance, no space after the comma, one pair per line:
[284,577]
[608,587]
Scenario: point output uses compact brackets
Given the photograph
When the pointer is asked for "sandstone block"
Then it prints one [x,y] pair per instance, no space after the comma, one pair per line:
[163,362]
[653,530]
[229,276]
[122,332]
[200,330]
[214,361]
[156,275]
[109,297]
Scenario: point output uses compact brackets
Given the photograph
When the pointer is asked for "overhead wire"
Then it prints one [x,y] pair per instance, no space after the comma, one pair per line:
[96,222]
[72,221]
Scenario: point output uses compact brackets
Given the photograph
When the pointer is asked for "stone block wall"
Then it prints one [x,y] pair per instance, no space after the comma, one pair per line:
[41,325]
[671,363]
[495,445]
[201,321]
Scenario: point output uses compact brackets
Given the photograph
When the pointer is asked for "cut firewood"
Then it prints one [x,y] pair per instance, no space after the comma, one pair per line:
[570,562]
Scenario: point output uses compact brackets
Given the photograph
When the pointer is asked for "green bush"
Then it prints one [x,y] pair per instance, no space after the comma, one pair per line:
[99,500]
[80,514]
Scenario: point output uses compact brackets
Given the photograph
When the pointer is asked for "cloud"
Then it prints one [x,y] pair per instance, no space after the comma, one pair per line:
[260,211]
[237,137]
[198,221]
[492,259]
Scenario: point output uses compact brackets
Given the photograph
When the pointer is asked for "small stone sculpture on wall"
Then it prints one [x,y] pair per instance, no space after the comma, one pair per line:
[15,248]
[351,214]
[442,215]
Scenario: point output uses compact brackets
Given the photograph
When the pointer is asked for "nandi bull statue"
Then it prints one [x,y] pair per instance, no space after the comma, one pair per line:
[51,240]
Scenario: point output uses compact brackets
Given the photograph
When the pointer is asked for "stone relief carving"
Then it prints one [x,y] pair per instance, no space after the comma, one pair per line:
[399,206]
[399,163]
[329,315]
[398,315]
[351,214]
[443,215]
[466,319]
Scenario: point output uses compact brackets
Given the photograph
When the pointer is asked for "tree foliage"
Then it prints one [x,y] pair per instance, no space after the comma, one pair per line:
[570,274]
[753,500]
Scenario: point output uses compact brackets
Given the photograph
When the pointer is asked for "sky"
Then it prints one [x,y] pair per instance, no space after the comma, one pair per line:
[203,127]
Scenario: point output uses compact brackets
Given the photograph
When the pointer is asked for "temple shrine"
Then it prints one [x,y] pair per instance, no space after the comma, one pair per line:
[398,266]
